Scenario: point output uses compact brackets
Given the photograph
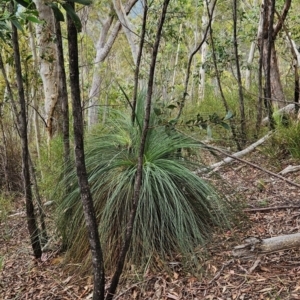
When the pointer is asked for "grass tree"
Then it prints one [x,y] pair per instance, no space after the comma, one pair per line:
[177,210]
[149,205]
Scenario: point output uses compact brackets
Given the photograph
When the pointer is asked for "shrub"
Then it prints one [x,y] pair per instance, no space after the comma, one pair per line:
[177,210]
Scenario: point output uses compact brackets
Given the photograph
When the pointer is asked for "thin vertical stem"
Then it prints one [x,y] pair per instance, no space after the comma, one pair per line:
[139,171]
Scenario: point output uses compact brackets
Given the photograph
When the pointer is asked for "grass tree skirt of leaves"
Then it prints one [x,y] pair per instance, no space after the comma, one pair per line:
[177,210]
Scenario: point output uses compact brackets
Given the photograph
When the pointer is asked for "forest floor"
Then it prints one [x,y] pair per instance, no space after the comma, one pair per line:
[223,276]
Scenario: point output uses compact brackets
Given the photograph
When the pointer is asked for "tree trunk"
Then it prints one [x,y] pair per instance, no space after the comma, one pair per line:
[140,163]
[277,95]
[48,68]
[296,65]
[86,197]
[22,126]
[249,62]
[239,77]
[251,51]
[138,65]
[259,112]
[63,93]
[176,56]
[4,155]
[191,56]
[127,28]
[267,43]
[41,212]
[225,104]
[214,167]
[103,48]
[208,12]
[35,93]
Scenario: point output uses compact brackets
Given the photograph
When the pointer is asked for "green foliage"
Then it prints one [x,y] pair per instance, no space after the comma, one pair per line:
[1,262]
[69,10]
[51,164]
[207,123]
[10,153]
[6,206]
[285,142]
[177,210]
[210,114]
[6,201]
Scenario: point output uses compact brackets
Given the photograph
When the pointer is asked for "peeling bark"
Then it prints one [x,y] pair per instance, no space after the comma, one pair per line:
[34,92]
[249,62]
[48,67]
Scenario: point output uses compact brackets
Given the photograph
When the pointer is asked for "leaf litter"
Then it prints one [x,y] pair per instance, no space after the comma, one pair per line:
[275,275]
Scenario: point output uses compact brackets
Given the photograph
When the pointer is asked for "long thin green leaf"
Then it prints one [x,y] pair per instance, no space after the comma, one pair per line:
[57,13]
[70,11]
[84,2]
[177,210]
[17,24]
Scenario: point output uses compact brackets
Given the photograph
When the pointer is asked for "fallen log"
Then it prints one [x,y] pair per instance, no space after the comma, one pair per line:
[289,169]
[288,109]
[235,156]
[256,246]
[267,209]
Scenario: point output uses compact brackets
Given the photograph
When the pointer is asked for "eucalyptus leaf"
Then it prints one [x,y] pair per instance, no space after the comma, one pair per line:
[83,2]
[225,125]
[17,24]
[209,131]
[34,19]
[57,13]
[28,57]
[173,122]
[2,36]
[229,115]
[157,111]
[190,122]
[24,3]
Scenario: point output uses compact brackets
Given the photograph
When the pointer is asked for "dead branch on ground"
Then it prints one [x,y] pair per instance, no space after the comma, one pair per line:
[256,246]
[289,169]
[267,209]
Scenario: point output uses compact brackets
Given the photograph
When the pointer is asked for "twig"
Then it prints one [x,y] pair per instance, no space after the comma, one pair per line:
[255,265]
[220,272]
[131,287]
[256,166]
[252,210]
[123,293]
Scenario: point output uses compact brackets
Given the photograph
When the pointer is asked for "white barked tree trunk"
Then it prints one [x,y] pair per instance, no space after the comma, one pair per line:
[208,12]
[48,67]
[107,37]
